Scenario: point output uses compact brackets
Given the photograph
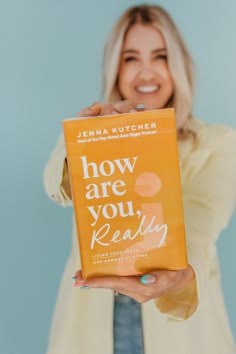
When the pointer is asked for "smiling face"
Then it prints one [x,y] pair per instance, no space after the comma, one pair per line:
[143,72]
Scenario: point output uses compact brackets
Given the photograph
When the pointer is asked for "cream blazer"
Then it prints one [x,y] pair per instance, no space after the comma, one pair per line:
[191,321]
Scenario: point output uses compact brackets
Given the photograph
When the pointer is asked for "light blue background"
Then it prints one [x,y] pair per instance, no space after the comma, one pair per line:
[51,54]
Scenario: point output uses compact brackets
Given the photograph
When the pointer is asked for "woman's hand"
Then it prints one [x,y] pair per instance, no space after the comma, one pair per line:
[143,288]
[101,109]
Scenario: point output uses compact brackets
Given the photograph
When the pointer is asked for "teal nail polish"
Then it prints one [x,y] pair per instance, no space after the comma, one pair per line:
[148,279]
[75,277]
[84,287]
[140,106]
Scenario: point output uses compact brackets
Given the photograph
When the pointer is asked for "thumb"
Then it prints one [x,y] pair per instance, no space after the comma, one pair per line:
[148,279]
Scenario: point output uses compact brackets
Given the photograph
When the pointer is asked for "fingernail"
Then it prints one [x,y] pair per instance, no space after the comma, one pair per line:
[114,112]
[78,284]
[148,279]
[84,287]
[132,111]
[140,106]
[95,107]
[75,277]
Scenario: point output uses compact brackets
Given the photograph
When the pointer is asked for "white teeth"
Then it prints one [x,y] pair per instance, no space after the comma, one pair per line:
[147,89]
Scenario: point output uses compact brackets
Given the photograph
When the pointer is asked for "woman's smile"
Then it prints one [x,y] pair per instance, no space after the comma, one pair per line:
[147,89]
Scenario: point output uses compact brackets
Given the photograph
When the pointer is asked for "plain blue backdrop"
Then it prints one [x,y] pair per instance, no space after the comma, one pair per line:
[51,54]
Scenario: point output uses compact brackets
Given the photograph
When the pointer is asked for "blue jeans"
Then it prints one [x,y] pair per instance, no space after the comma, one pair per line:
[128,332]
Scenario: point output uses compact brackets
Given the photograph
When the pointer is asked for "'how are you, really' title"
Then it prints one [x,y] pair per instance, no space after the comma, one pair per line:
[108,211]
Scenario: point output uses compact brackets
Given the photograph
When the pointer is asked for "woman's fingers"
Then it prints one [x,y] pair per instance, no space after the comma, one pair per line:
[120,107]
[93,110]
[107,109]
[78,276]
[114,283]
[125,106]
[142,288]
[130,286]
[101,109]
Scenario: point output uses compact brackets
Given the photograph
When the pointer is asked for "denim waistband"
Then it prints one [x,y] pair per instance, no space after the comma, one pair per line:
[128,332]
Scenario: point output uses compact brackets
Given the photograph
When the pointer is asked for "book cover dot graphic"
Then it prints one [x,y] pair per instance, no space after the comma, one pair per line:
[126,191]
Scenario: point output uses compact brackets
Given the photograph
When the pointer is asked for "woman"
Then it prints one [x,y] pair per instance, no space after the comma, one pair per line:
[147,66]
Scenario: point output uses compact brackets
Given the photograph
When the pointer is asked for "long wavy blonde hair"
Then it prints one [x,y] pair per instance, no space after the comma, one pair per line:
[180,62]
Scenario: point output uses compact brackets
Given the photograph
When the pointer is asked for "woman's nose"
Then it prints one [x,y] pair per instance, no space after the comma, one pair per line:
[146,73]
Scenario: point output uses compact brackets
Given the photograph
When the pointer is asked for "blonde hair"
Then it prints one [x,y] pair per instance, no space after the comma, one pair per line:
[180,62]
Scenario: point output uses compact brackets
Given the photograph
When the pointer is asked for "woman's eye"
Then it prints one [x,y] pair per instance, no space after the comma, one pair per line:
[127,59]
[161,57]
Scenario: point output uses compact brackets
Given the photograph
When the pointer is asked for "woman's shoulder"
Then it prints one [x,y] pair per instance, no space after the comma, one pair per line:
[205,140]
[212,135]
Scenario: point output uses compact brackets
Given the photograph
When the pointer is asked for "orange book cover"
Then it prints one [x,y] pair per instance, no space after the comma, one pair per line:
[126,191]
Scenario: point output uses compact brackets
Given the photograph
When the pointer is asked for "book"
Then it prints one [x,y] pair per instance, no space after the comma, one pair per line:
[126,191]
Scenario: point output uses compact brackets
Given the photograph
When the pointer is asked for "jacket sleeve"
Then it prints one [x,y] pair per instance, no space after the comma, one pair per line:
[209,195]
[56,178]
